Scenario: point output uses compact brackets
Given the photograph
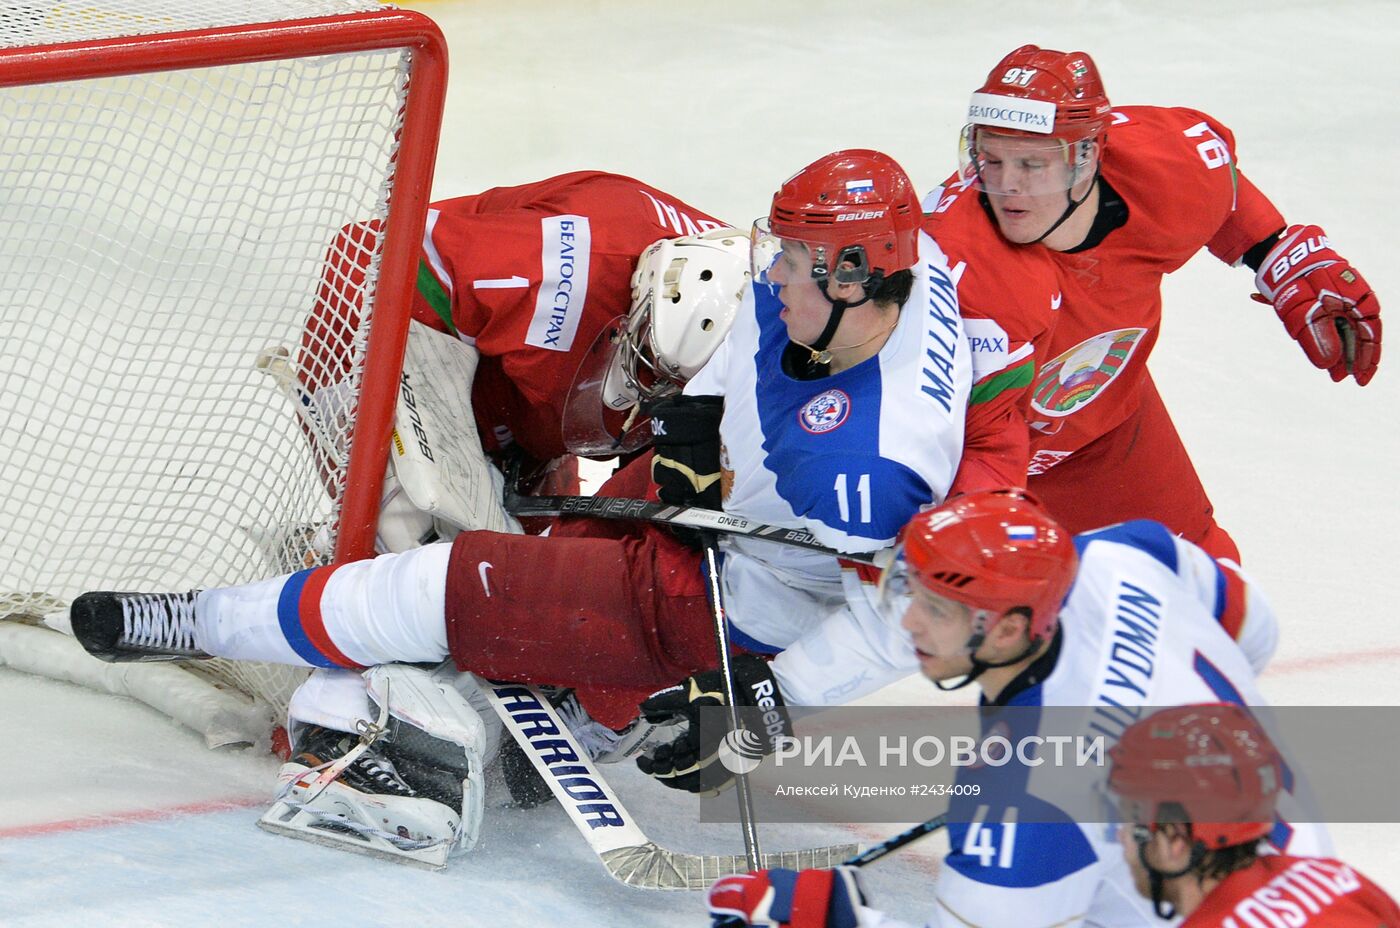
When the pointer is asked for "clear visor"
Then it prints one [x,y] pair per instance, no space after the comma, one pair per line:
[1019,165]
[602,415]
[764,250]
[777,261]
[901,592]
[895,589]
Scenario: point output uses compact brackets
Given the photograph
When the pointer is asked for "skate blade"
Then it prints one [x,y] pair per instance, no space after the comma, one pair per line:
[289,822]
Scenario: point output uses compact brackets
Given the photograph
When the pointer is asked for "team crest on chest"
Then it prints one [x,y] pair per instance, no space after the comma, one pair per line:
[1078,377]
[825,411]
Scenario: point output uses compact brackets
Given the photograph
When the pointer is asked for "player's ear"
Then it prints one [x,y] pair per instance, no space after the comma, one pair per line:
[1175,843]
[850,292]
[1012,629]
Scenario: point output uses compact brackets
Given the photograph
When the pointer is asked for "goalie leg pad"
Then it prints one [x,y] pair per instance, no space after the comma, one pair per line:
[412,788]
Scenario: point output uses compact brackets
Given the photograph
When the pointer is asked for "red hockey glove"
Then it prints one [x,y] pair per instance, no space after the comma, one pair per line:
[1324,303]
[787,899]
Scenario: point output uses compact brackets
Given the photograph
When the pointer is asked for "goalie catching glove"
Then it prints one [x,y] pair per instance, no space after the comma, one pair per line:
[1324,303]
[787,899]
[685,432]
[694,763]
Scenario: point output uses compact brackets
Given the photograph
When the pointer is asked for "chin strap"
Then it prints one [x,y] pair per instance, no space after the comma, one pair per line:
[1156,879]
[1069,210]
[823,355]
[820,347]
[980,666]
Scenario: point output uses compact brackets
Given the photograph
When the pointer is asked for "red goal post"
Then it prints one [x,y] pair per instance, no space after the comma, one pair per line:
[170,184]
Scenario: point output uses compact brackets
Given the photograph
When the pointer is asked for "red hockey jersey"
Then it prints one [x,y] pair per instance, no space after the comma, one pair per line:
[1315,892]
[1009,297]
[530,275]
[1175,170]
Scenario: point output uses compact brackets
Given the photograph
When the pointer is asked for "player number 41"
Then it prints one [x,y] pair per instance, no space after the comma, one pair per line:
[993,844]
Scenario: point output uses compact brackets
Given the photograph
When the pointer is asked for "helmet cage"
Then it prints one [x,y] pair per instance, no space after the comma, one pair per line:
[642,375]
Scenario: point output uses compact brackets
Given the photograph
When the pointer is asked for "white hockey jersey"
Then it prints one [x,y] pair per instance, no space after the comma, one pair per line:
[849,457]
[1142,628]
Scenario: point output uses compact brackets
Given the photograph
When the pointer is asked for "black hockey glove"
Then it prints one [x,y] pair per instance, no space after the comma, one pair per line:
[687,764]
[685,432]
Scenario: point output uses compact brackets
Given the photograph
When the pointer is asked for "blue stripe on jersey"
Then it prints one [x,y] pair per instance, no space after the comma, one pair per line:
[1219,684]
[736,634]
[749,642]
[1220,591]
[289,619]
[1143,534]
[821,440]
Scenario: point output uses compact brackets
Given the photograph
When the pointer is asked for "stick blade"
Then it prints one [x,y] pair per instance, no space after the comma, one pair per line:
[648,866]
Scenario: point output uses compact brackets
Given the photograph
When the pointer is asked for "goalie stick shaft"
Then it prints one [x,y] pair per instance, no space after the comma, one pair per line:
[600,817]
[275,362]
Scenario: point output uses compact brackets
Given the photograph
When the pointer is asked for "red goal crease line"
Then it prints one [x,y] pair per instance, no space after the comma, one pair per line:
[132,817]
[207,807]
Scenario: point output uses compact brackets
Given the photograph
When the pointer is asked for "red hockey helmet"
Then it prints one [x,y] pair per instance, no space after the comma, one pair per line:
[1039,93]
[994,550]
[856,207]
[1215,761]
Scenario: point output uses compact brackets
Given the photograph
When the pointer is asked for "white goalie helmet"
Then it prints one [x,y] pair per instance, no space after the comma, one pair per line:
[685,294]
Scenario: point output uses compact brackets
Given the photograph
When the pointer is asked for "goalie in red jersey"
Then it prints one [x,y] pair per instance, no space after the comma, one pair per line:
[563,304]
[1118,198]
[1198,786]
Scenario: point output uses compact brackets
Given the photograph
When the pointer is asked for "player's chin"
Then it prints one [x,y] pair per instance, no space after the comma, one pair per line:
[1018,226]
[938,668]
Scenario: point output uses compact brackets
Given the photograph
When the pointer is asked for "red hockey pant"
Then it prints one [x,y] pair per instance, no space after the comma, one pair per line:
[614,609]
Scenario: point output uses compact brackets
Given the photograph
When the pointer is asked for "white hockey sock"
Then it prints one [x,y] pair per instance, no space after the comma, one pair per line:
[377,611]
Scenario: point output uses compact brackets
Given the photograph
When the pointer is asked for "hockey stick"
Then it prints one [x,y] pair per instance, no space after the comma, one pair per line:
[869,856]
[726,670]
[710,520]
[894,843]
[275,361]
[627,853]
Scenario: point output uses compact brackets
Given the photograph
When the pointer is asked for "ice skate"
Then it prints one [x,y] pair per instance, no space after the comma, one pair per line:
[406,787]
[364,805]
[136,626]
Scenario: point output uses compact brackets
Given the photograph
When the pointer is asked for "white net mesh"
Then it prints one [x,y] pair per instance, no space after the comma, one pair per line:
[157,232]
[48,22]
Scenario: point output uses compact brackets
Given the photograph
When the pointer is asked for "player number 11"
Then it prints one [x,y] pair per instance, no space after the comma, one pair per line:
[843,501]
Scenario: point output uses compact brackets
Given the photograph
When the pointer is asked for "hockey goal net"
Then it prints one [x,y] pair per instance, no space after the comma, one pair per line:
[172,175]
